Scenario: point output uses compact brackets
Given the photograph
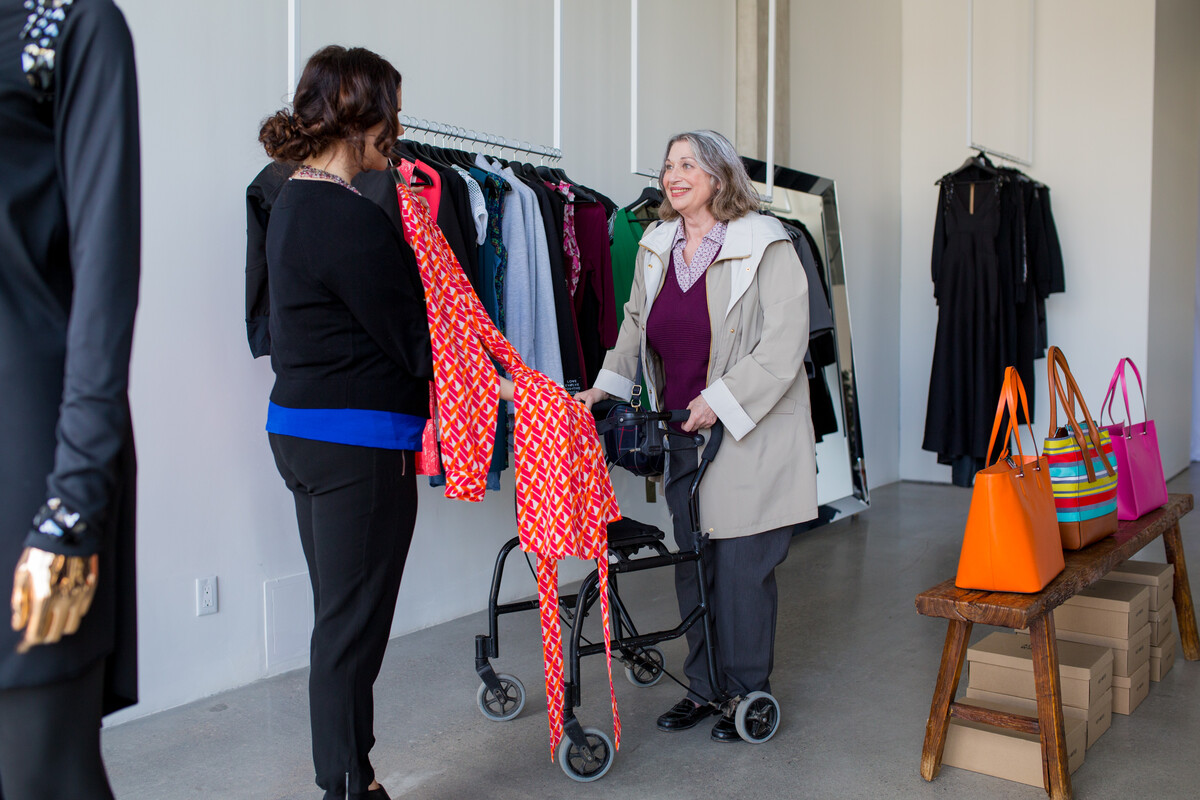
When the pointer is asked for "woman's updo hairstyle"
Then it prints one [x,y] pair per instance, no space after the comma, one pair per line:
[342,93]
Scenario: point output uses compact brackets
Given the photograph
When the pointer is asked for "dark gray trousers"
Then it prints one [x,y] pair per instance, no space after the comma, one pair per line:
[742,595]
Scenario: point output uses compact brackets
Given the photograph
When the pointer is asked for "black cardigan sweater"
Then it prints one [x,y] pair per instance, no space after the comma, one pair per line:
[347,315]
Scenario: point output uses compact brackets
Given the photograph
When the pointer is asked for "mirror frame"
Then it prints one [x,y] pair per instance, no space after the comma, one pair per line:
[835,273]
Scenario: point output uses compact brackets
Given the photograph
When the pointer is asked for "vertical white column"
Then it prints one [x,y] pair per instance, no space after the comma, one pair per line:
[772,35]
[633,85]
[293,47]
[970,68]
[558,46]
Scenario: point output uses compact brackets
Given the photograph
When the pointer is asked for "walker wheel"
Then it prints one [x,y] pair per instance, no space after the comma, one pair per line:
[647,667]
[587,765]
[757,717]
[503,705]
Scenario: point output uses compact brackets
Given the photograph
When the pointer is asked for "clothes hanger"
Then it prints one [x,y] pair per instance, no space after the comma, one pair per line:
[650,197]
[978,162]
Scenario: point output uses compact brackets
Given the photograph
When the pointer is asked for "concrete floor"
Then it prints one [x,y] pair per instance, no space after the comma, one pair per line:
[855,669]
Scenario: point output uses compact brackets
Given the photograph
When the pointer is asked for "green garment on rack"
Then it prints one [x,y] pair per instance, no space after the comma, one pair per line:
[627,232]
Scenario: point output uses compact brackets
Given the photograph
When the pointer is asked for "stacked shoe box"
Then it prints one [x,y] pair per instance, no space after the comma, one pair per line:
[1008,754]
[1115,615]
[1160,580]
[1000,669]
[1000,677]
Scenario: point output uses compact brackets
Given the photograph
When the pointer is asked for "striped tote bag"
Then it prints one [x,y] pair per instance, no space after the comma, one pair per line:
[1083,470]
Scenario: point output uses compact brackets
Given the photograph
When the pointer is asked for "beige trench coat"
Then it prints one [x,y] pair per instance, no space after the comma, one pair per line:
[765,475]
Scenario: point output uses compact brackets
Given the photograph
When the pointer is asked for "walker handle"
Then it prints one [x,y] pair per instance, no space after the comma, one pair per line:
[716,433]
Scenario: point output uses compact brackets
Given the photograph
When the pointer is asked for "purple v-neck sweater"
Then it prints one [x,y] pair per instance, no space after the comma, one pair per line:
[678,330]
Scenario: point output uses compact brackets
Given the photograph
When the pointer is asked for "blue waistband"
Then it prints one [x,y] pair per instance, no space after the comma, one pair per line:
[356,426]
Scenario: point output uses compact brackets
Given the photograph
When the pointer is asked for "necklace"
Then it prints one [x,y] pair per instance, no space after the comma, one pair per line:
[306,171]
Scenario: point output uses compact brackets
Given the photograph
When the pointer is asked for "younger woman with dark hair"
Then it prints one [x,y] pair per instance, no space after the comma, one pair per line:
[349,345]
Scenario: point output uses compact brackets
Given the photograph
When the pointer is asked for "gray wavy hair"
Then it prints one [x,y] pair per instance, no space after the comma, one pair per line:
[733,194]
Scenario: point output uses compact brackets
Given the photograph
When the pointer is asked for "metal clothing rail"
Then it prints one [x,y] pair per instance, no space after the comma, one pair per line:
[465,134]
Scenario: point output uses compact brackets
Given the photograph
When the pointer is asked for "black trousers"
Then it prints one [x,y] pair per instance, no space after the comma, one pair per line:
[356,508]
[742,595]
[50,740]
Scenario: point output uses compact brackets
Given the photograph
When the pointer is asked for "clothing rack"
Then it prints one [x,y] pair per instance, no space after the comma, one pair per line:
[465,134]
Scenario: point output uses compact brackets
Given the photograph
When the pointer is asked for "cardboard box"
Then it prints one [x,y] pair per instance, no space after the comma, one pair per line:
[1004,753]
[1159,577]
[1099,717]
[1162,658]
[1106,608]
[1128,654]
[1162,625]
[1003,663]
[1129,692]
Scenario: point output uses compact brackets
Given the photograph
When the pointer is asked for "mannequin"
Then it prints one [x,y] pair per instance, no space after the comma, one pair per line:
[69,268]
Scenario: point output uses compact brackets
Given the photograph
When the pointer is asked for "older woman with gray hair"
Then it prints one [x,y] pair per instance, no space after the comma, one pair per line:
[718,316]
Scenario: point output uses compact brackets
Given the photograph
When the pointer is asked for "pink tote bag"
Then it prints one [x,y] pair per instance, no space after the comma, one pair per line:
[1140,483]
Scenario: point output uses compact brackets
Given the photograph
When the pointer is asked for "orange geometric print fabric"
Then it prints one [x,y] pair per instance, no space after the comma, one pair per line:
[565,497]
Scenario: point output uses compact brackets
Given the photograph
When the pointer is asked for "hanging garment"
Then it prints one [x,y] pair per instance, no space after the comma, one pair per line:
[528,292]
[550,207]
[627,231]
[970,351]
[565,498]
[479,213]
[595,302]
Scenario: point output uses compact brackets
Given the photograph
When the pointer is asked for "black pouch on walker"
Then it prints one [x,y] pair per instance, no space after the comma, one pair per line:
[633,438]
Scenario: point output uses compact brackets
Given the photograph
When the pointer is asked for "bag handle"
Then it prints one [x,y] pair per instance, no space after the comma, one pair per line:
[1055,359]
[1110,396]
[1011,390]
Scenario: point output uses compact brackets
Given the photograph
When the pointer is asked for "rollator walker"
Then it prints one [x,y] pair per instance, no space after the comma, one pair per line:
[586,754]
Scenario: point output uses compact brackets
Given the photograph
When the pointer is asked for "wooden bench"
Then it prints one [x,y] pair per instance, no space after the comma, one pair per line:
[964,607]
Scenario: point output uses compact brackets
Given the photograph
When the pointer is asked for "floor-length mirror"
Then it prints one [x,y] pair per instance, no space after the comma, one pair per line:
[807,205]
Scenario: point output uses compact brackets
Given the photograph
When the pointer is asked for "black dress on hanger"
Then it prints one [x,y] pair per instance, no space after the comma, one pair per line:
[973,288]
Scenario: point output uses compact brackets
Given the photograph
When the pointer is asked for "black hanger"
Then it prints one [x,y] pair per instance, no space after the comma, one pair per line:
[975,169]
[650,197]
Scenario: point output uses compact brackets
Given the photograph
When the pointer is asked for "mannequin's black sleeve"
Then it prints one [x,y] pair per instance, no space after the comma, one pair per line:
[96,130]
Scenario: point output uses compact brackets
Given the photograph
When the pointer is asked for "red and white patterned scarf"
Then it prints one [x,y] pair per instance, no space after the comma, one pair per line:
[565,497]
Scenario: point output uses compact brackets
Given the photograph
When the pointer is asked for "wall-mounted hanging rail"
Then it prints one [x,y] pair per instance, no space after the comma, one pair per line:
[468,135]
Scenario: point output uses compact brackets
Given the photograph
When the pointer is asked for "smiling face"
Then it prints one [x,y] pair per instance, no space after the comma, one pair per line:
[688,187]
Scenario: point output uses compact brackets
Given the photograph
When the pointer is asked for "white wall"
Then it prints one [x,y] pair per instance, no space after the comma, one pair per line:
[1093,126]
[1175,203]
[877,105]
[845,125]
[211,502]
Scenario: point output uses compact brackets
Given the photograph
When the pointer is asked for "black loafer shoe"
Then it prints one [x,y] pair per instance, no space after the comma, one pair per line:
[725,730]
[683,715]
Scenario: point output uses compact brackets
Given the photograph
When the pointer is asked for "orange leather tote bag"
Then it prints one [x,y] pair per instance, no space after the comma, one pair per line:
[1011,542]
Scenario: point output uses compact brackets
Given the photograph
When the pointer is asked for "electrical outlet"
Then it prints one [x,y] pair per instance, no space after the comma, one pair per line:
[206,596]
